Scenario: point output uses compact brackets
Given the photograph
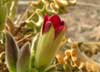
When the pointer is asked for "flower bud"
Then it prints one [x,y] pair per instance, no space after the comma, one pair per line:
[50,37]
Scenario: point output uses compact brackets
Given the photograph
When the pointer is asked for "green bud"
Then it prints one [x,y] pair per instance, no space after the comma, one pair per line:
[46,48]
[44,52]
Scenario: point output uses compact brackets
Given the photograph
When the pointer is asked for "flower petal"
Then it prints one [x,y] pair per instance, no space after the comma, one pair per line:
[56,21]
[62,22]
[46,25]
[46,19]
[58,24]
[59,30]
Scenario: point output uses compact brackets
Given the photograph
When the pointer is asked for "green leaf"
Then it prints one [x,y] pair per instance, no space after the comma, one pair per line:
[44,51]
[24,59]
[11,52]
[58,40]
[7,8]
[2,16]
[34,70]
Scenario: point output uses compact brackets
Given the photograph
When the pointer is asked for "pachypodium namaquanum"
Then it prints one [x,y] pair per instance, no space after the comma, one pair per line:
[50,37]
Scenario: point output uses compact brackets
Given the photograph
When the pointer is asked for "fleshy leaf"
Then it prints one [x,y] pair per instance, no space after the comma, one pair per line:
[11,52]
[44,48]
[24,59]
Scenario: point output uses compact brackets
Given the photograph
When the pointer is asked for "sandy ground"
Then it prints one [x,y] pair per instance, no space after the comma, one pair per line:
[83,21]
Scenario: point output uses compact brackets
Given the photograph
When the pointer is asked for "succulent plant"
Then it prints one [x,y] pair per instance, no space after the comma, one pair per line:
[51,35]
[18,60]
[51,31]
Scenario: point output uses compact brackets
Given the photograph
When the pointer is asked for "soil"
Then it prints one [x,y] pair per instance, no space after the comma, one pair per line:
[83,21]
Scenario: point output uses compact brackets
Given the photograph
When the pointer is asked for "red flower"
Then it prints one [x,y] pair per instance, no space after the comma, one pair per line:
[55,21]
[49,40]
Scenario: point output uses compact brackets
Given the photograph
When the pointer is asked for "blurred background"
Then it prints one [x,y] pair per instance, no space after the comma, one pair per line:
[82,20]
